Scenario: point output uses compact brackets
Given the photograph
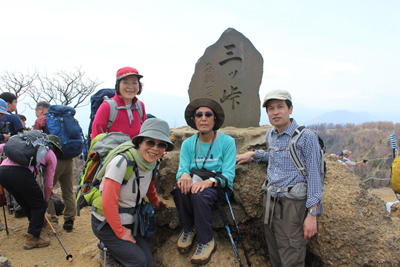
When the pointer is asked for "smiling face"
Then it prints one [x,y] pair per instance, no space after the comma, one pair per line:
[279,114]
[204,122]
[128,88]
[151,149]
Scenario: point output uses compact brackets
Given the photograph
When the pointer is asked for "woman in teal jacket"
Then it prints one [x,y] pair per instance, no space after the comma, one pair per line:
[203,155]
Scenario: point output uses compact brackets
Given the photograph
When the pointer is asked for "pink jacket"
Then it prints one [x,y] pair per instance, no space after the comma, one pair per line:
[121,123]
[50,161]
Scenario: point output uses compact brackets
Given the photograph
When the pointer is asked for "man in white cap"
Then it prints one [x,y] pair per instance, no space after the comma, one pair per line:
[291,201]
[348,162]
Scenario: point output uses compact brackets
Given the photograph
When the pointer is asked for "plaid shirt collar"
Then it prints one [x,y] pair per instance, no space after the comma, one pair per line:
[290,129]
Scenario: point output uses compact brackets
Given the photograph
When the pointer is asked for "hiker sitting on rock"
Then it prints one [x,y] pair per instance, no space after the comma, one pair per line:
[21,183]
[118,192]
[208,151]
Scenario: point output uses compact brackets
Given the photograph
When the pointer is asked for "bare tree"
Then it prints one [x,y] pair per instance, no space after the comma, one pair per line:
[64,88]
[17,83]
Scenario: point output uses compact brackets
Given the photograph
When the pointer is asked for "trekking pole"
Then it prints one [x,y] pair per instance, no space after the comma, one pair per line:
[69,256]
[237,227]
[225,221]
[387,157]
[4,209]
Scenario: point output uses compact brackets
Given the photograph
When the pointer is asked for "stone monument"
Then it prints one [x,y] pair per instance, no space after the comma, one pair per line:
[230,72]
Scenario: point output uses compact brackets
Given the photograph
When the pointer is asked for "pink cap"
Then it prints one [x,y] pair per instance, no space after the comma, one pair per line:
[126,71]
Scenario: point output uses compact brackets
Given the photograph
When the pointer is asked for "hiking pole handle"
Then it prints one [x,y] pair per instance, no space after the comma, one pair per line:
[393,141]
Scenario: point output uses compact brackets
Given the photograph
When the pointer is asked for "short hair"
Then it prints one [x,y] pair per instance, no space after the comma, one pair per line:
[42,104]
[22,117]
[117,87]
[8,97]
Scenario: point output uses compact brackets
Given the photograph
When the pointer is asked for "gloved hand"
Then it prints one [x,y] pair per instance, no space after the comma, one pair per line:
[365,160]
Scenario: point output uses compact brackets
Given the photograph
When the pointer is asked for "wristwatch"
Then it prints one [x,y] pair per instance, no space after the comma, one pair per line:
[213,181]
[312,212]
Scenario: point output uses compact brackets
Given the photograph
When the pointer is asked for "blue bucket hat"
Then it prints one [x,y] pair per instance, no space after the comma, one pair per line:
[3,107]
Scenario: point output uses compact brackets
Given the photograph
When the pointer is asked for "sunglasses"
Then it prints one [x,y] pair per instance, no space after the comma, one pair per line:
[160,145]
[199,115]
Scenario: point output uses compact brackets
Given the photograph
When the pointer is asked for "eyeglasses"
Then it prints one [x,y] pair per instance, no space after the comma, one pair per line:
[199,115]
[160,145]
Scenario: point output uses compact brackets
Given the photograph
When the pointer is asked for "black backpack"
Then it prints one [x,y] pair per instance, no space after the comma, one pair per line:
[28,148]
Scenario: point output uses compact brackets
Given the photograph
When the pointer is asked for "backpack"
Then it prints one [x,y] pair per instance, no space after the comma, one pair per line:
[294,155]
[95,101]
[396,175]
[87,189]
[60,121]
[28,148]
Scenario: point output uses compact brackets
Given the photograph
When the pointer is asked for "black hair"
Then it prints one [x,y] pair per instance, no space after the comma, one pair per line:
[8,97]
[118,82]
[138,141]
[42,104]
[287,101]
[22,117]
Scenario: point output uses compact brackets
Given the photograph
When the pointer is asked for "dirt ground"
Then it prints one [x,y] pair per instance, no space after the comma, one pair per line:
[81,242]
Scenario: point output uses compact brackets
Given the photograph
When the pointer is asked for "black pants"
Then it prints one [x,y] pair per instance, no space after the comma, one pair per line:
[127,253]
[21,183]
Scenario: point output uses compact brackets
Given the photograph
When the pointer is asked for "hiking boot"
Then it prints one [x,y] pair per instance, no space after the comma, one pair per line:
[110,260]
[203,252]
[185,240]
[68,225]
[35,242]
[19,214]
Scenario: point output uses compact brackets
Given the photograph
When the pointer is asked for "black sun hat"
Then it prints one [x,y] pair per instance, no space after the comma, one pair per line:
[204,102]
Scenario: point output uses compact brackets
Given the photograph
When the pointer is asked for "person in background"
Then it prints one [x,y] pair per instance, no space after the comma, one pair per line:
[3,110]
[127,87]
[64,175]
[20,181]
[12,121]
[213,152]
[349,163]
[291,201]
[23,120]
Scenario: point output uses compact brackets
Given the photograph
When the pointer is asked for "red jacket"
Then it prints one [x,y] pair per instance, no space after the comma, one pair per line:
[121,122]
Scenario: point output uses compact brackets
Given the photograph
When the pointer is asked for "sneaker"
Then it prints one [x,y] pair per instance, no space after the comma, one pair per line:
[203,252]
[19,214]
[185,240]
[68,225]
[110,260]
[35,242]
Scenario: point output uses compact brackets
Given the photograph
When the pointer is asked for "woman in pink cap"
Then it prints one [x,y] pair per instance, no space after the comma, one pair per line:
[129,119]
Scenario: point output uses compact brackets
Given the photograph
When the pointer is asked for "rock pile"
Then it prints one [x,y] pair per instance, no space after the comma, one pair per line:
[355,229]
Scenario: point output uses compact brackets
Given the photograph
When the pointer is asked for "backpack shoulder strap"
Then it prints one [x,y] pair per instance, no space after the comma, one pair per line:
[113,111]
[131,166]
[140,110]
[294,155]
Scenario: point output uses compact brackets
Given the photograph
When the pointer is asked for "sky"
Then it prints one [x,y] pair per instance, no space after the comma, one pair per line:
[331,55]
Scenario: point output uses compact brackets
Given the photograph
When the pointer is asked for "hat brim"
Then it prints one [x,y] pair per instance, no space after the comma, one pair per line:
[155,135]
[5,112]
[204,102]
[129,74]
[264,105]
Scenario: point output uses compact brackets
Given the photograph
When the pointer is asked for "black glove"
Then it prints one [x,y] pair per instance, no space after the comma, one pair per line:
[365,160]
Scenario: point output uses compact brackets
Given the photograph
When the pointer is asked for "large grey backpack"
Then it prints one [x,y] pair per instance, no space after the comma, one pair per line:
[27,148]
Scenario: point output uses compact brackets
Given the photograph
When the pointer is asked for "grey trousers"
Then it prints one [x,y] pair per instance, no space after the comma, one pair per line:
[285,235]
[125,252]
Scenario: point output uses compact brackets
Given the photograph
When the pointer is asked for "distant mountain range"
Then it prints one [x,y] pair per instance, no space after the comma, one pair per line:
[171,108]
